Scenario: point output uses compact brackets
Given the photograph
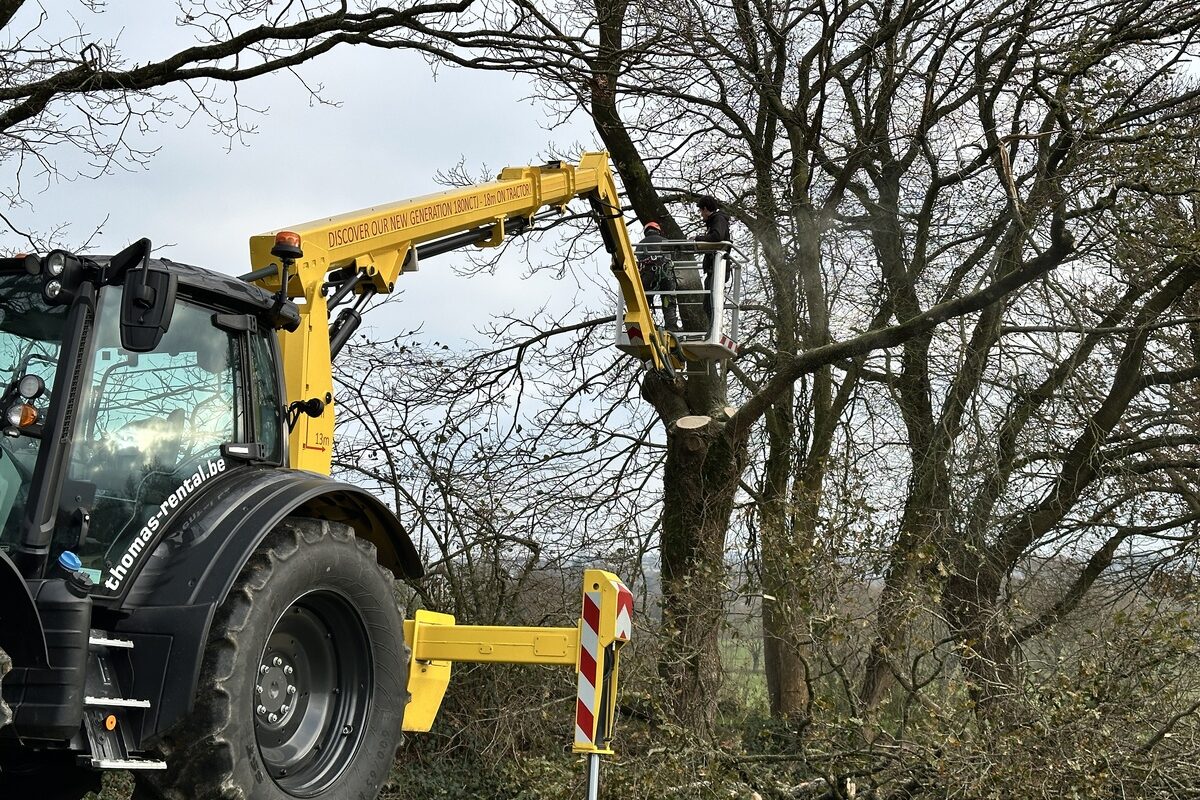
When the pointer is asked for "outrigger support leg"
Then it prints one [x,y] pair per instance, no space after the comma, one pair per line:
[593,777]
[592,647]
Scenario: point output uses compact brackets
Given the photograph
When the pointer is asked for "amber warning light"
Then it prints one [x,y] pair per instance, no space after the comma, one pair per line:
[287,246]
[22,415]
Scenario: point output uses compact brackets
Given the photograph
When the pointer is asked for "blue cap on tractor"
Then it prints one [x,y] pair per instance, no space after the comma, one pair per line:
[70,562]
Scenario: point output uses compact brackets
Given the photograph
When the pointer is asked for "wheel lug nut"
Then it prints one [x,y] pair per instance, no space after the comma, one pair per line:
[277,661]
[273,718]
[284,709]
[291,690]
[263,669]
[261,710]
[288,670]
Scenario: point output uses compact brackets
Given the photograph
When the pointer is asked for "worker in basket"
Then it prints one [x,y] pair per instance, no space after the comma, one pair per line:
[716,229]
[657,269]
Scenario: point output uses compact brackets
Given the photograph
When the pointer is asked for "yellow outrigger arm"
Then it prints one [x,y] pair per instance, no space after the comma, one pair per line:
[592,647]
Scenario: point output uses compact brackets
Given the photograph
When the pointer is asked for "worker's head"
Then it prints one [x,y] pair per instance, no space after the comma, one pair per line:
[653,227]
[707,205]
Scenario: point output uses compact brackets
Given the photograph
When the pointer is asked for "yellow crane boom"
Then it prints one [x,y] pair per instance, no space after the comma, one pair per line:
[364,252]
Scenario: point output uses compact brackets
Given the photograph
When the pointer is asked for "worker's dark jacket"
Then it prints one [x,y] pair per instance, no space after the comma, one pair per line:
[653,262]
[716,227]
[716,230]
[657,268]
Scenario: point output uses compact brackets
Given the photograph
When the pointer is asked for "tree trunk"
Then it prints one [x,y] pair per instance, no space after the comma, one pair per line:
[786,556]
[700,480]
[785,651]
[969,603]
[792,487]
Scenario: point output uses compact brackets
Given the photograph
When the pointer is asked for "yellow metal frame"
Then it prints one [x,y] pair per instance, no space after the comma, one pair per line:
[381,242]
[437,643]
[496,644]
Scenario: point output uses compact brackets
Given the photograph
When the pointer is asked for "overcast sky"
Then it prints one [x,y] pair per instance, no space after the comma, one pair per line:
[395,127]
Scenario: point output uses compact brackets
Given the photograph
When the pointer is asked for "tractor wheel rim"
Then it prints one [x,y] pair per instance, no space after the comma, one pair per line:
[312,693]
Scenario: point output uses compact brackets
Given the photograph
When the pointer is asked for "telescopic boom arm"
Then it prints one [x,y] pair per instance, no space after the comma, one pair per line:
[352,256]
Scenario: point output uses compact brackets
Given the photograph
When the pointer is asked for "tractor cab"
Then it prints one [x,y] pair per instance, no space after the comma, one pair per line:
[707,276]
[131,387]
[123,389]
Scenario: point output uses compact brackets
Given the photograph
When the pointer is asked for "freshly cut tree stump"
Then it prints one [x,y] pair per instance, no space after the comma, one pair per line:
[692,422]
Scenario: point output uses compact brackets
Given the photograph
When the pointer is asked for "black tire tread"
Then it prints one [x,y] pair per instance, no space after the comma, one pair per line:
[5,666]
[202,746]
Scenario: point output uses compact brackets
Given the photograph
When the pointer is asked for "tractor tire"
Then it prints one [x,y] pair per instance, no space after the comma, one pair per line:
[304,680]
[5,666]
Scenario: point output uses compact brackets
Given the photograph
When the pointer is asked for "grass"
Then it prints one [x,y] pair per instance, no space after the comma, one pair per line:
[116,786]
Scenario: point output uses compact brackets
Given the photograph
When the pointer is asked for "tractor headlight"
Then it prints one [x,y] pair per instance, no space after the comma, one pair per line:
[31,387]
[56,262]
[62,274]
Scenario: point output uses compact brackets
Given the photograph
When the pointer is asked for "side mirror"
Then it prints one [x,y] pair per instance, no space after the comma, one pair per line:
[148,300]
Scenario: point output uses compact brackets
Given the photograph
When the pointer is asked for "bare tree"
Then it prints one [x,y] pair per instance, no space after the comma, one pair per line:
[900,166]
[490,493]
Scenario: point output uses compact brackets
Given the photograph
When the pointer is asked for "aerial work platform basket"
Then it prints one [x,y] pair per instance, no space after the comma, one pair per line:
[705,336]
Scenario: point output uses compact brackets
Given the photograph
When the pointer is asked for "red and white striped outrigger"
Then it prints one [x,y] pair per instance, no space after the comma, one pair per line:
[604,626]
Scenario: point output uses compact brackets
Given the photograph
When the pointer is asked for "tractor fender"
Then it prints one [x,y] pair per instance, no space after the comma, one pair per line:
[201,553]
[21,632]
[169,608]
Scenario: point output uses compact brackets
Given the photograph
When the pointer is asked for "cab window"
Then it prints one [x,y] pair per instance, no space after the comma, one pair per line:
[153,430]
[268,408]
